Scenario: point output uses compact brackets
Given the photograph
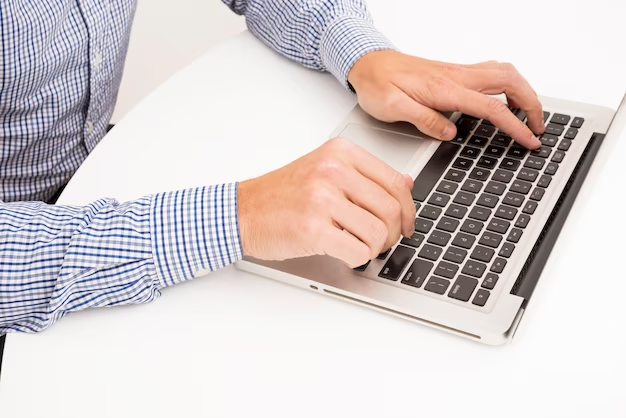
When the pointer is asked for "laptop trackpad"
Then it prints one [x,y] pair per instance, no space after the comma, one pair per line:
[395,149]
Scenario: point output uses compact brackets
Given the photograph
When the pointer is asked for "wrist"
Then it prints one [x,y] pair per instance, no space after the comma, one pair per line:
[363,70]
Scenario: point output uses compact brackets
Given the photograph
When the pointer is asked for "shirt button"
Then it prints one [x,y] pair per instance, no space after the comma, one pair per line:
[89,127]
[97,59]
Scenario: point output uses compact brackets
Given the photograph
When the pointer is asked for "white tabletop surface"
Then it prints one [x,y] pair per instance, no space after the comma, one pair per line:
[236,345]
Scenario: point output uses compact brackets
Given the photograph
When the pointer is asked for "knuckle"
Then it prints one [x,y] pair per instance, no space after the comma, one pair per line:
[319,196]
[496,106]
[394,211]
[430,121]
[508,72]
[378,234]
[328,166]
[453,68]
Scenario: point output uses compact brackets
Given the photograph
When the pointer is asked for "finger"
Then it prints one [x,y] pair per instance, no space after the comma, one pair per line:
[362,224]
[345,247]
[427,120]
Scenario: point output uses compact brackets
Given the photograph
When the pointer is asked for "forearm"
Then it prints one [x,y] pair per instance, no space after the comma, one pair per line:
[59,259]
[327,35]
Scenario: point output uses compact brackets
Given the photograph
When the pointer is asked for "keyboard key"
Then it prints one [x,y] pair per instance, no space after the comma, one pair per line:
[463,198]
[495,151]
[488,201]
[546,115]
[549,140]
[474,268]
[487,162]
[478,141]
[577,123]
[439,238]
[448,224]
[515,235]
[447,187]
[414,241]
[417,273]
[560,119]
[430,212]
[463,288]
[472,186]
[528,174]
[498,225]
[530,207]
[463,127]
[471,227]
[453,175]
[423,225]
[463,241]
[490,239]
[430,252]
[565,144]
[498,265]
[522,221]
[513,199]
[396,263]
[517,152]
[483,254]
[520,186]
[462,163]
[503,176]
[521,115]
[437,285]
[481,297]
[510,164]
[439,199]
[554,129]
[470,152]
[501,140]
[537,194]
[558,156]
[551,169]
[506,212]
[485,131]
[384,255]
[506,250]
[490,281]
[480,214]
[544,181]
[432,171]
[363,267]
[541,152]
[456,255]
[480,174]
[571,133]
[496,188]
[535,163]
[456,211]
[446,270]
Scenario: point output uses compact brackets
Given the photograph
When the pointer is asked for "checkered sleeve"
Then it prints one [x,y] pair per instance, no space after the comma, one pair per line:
[327,35]
[59,259]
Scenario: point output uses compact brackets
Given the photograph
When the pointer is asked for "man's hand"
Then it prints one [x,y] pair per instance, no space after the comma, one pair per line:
[392,87]
[339,200]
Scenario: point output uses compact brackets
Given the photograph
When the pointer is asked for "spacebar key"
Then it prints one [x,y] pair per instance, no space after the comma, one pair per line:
[397,262]
[433,170]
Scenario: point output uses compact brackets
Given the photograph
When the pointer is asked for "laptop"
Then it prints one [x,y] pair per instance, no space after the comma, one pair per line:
[488,214]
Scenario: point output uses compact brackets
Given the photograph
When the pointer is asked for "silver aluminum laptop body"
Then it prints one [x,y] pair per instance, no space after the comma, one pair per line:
[408,150]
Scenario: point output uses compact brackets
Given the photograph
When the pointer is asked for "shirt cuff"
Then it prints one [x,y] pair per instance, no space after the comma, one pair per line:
[346,40]
[194,229]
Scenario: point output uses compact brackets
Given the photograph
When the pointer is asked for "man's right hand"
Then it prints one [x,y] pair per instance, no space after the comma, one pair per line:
[338,200]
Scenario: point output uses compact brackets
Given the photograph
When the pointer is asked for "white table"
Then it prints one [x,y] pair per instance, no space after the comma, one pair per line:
[237,345]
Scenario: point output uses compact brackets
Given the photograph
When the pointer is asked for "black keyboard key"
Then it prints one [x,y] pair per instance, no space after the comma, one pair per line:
[495,151]
[481,297]
[472,186]
[537,194]
[544,181]
[498,265]
[456,255]
[430,252]
[423,225]
[430,212]
[490,281]
[463,288]
[520,186]
[501,140]
[554,129]
[456,211]
[462,163]
[463,240]
[490,239]
[522,221]
[446,270]
[485,131]
[530,207]
[515,235]
[439,238]
[560,119]
[541,152]
[480,214]
[384,255]
[474,268]
[528,174]
[414,240]
[416,274]
[437,285]
[478,141]
[551,169]
[447,187]
[506,212]
[471,227]
[460,138]
[571,133]
[397,262]
[521,115]
[510,164]
[448,224]
[535,163]
[487,122]
[503,176]
[487,201]
[432,171]
[487,162]
[480,174]
[439,199]
[483,254]
[577,123]
[466,124]
[558,156]
[363,267]
[506,250]
[417,206]
[513,199]
[546,115]
[517,152]
[565,144]
[549,140]
[496,188]
[455,175]
[498,225]
[470,152]
[463,198]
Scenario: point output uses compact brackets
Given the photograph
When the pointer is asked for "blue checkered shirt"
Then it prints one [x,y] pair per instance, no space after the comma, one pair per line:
[60,68]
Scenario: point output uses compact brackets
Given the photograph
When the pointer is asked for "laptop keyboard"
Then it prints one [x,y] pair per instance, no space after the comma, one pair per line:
[474,198]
